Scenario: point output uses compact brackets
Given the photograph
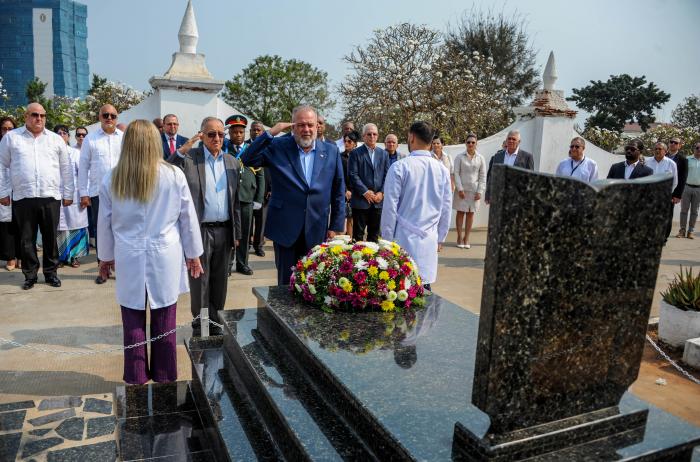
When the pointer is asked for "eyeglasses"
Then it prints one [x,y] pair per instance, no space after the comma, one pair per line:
[80,135]
[36,114]
[673,142]
[212,135]
[575,146]
[107,116]
[512,138]
[61,132]
[630,149]
[471,142]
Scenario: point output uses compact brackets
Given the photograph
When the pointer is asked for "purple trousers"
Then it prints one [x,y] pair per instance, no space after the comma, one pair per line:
[163,366]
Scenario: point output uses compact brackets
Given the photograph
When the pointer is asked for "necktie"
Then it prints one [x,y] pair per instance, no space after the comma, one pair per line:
[172,145]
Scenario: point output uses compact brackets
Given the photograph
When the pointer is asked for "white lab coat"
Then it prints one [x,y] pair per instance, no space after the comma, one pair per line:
[417,209]
[147,241]
[73,217]
[5,210]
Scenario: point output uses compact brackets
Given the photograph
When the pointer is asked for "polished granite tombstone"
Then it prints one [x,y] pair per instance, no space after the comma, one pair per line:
[568,285]
[292,382]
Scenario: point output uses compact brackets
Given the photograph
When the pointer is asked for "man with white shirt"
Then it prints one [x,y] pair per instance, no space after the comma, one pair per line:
[98,156]
[578,165]
[660,164]
[691,195]
[511,155]
[37,165]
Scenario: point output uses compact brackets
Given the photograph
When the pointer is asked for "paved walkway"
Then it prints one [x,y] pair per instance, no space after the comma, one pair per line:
[81,315]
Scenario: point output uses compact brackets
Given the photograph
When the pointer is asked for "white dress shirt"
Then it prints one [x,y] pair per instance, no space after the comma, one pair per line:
[509,159]
[585,170]
[629,168]
[36,166]
[665,166]
[98,156]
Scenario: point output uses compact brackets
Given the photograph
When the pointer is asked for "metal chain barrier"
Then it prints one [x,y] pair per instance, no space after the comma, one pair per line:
[110,350]
[673,363]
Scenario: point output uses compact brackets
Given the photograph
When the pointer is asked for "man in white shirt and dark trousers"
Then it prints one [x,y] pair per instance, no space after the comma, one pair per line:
[37,164]
[577,165]
[98,156]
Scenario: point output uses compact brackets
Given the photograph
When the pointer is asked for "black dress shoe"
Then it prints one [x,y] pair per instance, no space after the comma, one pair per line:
[28,284]
[244,269]
[259,252]
[100,280]
[53,281]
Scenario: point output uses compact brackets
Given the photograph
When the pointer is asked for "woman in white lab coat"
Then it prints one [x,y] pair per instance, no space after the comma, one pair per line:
[148,233]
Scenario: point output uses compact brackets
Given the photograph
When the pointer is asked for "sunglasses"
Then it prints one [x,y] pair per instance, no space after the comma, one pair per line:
[61,132]
[575,146]
[80,135]
[36,114]
[630,149]
[471,142]
[107,116]
[212,135]
[673,142]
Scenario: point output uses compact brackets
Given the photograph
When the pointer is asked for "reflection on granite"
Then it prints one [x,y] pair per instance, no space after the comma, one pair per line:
[9,445]
[34,447]
[56,416]
[154,399]
[60,402]
[160,435]
[12,420]
[417,408]
[17,405]
[71,429]
[98,405]
[100,426]
[102,452]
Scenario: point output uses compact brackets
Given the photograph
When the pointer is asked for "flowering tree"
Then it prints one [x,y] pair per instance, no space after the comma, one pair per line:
[687,113]
[3,92]
[103,91]
[608,140]
[664,133]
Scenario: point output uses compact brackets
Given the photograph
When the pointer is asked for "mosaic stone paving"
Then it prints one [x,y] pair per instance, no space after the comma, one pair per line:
[59,429]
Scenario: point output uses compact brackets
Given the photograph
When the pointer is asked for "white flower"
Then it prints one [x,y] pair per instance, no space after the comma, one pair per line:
[407,283]
[372,245]
[383,264]
[342,281]
[384,243]
[335,242]
[361,264]
[321,267]
[357,255]
[391,296]
[402,295]
[312,289]
[297,287]
[328,300]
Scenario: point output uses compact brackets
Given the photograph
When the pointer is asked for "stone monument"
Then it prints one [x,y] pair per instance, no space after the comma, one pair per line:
[568,284]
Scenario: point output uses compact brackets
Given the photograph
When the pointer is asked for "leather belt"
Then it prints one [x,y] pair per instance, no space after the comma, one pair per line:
[693,185]
[216,224]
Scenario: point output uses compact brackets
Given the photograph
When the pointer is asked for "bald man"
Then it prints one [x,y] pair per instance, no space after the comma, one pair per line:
[36,170]
[98,156]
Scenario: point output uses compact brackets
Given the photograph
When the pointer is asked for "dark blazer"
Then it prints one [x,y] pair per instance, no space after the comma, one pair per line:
[193,165]
[617,171]
[682,166]
[366,176]
[523,160]
[179,141]
[296,205]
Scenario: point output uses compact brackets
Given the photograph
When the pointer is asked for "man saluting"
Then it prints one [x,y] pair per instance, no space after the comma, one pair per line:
[308,185]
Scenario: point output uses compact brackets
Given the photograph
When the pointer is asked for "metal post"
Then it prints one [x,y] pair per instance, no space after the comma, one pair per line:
[204,322]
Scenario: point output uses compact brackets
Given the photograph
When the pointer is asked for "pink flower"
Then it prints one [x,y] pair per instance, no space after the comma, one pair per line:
[392,273]
[405,270]
[360,277]
[346,267]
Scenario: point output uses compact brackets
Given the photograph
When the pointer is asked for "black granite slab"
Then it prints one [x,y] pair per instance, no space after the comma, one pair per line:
[419,401]
[54,417]
[102,452]
[100,426]
[39,431]
[9,446]
[160,435]
[16,405]
[100,406]
[200,456]
[12,420]
[60,402]
[153,399]
[34,447]
[71,429]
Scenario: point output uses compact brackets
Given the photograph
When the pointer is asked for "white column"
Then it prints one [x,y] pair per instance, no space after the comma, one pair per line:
[42,28]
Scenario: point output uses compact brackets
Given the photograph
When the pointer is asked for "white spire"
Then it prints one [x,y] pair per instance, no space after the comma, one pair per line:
[550,73]
[188,34]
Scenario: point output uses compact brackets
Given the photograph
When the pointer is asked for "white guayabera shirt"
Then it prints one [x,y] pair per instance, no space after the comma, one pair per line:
[98,156]
[665,166]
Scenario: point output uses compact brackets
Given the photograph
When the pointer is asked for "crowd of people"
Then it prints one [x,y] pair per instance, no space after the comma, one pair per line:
[150,198]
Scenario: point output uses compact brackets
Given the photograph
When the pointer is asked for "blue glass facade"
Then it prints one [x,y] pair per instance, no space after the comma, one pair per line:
[71,72]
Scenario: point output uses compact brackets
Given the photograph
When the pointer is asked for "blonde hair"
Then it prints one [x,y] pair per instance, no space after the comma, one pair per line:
[136,174]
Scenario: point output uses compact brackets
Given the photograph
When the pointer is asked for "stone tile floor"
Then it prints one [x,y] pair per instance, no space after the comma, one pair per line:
[82,316]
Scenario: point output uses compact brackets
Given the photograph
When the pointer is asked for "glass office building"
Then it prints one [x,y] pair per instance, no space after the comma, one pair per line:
[45,39]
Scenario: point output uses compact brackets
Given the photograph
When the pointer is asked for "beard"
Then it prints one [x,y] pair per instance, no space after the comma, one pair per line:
[631,157]
[304,141]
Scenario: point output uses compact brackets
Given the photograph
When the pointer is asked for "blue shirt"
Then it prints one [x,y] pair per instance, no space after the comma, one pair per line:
[307,161]
[215,201]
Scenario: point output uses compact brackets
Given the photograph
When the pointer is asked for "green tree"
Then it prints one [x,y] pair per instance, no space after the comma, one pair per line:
[503,40]
[620,99]
[97,83]
[35,91]
[687,113]
[270,87]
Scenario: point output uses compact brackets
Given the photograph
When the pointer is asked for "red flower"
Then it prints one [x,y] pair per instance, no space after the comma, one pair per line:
[360,277]
[392,273]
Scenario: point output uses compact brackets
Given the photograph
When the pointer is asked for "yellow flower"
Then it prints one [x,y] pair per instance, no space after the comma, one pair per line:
[391,285]
[387,305]
[336,249]
[395,251]
[373,270]
[384,276]
[347,287]
[303,277]
[409,265]
[344,335]
[368,251]
[322,250]
[418,281]
[308,263]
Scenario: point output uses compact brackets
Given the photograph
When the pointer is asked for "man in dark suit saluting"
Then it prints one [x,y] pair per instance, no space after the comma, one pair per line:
[512,155]
[169,136]
[307,185]
[631,168]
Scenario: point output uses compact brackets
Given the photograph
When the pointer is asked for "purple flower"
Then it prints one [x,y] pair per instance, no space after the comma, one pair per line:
[360,277]
[346,267]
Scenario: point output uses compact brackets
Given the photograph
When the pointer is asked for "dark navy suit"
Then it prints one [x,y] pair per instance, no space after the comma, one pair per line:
[299,214]
[366,175]
[179,141]
[617,171]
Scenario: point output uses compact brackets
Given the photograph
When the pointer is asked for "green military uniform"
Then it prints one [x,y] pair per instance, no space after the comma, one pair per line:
[251,189]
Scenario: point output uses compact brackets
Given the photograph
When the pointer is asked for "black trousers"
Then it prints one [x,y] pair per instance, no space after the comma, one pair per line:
[10,247]
[366,218]
[286,257]
[259,217]
[246,226]
[32,214]
[209,290]
[94,211]
[669,227]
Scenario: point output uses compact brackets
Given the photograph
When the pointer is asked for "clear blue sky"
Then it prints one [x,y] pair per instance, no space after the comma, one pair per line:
[131,40]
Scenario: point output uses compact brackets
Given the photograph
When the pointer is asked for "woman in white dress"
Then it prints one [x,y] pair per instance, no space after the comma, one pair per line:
[440,155]
[149,234]
[470,184]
